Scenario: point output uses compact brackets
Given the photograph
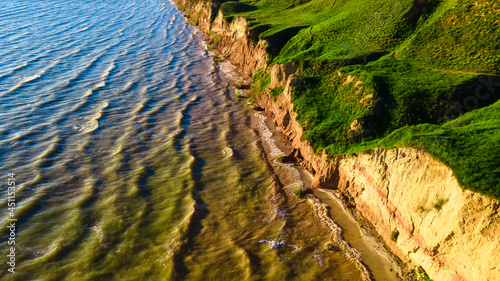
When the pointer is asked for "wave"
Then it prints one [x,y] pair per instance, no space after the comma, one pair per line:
[20,135]
[97,56]
[68,26]
[106,72]
[29,78]
[85,28]
[90,123]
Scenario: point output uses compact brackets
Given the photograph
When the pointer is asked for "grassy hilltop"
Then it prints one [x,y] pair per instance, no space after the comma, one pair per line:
[386,73]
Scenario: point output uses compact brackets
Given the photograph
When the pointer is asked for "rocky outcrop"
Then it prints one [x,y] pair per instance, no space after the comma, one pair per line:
[413,201]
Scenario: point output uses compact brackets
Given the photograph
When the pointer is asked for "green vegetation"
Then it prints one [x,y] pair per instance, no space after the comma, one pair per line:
[459,35]
[280,158]
[439,204]
[390,73]
[234,7]
[444,34]
[420,275]
[260,81]
[299,192]
[394,235]
[215,39]
[217,58]
[276,92]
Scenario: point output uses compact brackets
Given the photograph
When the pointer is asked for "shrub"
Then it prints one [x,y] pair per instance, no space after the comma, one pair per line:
[280,158]
[421,209]
[276,92]
[439,203]
[299,192]
[394,235]
[260,81]
[216,38]
[217,58]
[239,94]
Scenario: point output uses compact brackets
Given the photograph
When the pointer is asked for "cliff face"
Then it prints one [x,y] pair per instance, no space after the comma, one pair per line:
[232,41]
[413,201]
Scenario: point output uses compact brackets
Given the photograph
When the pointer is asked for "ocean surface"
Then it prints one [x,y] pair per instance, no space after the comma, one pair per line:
[133,158]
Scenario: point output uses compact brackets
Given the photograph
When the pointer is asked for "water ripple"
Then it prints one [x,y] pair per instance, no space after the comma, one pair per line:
[111,118]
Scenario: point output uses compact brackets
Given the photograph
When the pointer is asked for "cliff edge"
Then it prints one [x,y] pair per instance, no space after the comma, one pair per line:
[413,200]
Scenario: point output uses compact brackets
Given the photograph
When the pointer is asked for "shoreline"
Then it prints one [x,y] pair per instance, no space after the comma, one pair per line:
[379,264]
[374,261]
[393,191]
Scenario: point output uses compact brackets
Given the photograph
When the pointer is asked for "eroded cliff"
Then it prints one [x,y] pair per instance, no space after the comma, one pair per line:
[413,201]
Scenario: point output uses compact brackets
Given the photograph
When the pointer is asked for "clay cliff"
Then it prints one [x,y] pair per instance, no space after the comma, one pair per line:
[232,41]
[412,200]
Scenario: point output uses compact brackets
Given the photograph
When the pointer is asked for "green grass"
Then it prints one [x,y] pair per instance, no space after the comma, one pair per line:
[460,35]
[412,67]
[342,29]
[276,92]
[260,81]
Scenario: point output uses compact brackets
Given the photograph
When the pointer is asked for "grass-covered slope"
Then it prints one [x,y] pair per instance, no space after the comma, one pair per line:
[325,30]
[460,36]
[384,73]
[469,145]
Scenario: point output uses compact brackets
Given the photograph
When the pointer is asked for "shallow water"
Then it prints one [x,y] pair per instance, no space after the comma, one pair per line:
[133,158]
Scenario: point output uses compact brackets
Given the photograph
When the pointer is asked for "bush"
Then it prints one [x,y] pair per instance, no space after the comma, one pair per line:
[280,158]
[394,235]
[238,94]
[299,192]
[439,203]
[216,39]
[276,92]
[260,81]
